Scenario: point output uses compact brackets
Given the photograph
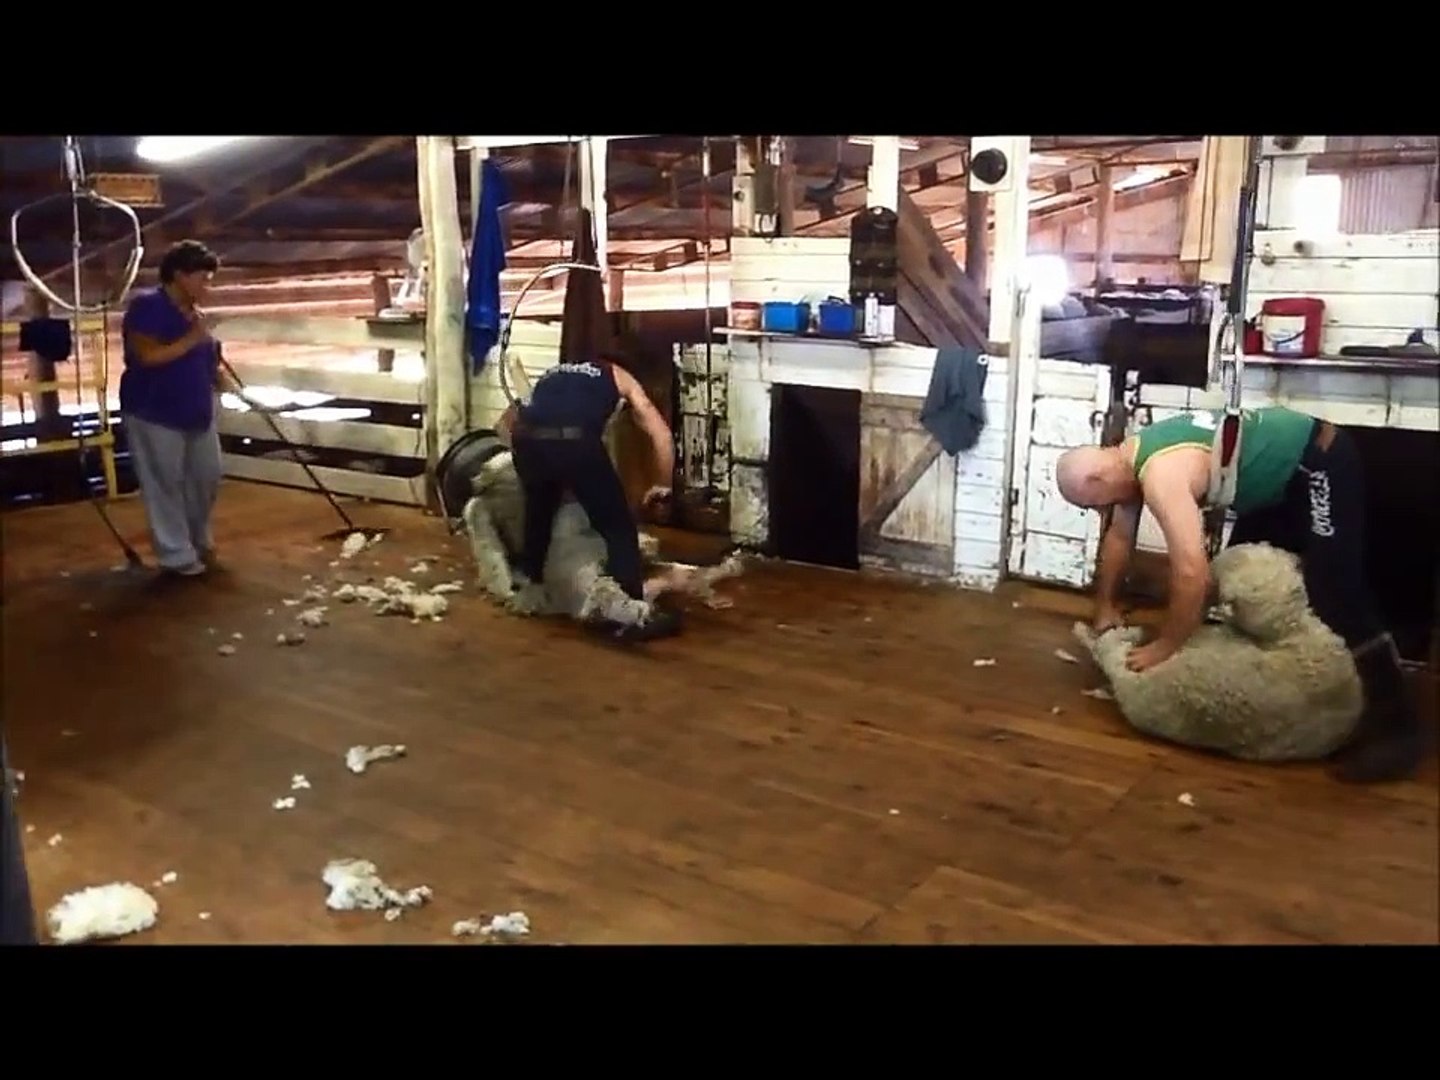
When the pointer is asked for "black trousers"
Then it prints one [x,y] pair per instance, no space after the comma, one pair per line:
[17,919]
[547,469]
[1322,520]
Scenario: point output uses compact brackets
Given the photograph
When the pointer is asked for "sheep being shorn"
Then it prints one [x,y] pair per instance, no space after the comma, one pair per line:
[575,582]
[1269,682]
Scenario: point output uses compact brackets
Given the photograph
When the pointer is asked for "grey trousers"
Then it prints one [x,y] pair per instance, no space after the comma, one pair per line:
[179,474]
[17,918]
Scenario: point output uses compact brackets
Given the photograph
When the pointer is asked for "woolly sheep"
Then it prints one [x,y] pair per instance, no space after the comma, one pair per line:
[1269,682]
[575,582]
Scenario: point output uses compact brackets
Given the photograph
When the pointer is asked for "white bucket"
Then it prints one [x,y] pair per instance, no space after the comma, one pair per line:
[1284,335]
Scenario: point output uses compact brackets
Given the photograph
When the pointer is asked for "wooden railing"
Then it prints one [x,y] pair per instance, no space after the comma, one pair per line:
[367,440]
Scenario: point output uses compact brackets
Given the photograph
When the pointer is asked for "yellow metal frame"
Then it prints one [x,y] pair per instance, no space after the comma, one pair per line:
[99,382]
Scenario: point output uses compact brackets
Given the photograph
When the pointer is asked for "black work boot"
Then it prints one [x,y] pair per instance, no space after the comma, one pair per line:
[1391,741]
[662,623]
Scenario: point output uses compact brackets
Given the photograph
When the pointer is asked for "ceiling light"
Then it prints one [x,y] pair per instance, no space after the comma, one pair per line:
[167,149]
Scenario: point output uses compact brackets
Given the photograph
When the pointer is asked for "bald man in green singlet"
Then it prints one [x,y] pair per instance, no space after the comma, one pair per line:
[1300,487]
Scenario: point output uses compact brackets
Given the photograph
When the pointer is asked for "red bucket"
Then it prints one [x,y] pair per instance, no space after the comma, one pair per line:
[1290,327]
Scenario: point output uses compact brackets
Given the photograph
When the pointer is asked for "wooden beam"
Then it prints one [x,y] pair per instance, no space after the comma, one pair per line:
[390,440]
[354,385]
[408,491]
[319,164]
[339,333]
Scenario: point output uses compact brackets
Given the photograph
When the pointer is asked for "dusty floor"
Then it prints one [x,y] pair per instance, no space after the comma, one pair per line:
[823,763]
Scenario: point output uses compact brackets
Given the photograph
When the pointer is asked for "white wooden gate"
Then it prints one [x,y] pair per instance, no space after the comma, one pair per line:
[1050,540]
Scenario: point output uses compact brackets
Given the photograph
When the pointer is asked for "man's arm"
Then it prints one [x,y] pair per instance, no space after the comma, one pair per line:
[652,423]
[1114,559]
[505,426]
[1176,511]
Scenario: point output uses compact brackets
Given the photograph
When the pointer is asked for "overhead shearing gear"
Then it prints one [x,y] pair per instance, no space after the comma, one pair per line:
[1230,362]
[81,190]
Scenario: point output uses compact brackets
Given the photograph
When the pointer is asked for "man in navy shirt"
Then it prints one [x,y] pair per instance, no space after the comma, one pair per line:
[167,398]
[557,441]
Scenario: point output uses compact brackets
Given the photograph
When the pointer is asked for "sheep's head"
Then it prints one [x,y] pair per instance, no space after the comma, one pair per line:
[1261,590]
[1110,648]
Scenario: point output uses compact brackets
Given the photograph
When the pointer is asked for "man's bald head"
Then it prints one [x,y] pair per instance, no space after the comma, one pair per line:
[1092,476]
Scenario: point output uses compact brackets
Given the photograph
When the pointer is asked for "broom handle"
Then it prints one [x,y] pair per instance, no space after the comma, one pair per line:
[294,451]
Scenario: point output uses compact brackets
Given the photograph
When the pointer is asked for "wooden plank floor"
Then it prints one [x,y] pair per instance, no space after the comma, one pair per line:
[822,763]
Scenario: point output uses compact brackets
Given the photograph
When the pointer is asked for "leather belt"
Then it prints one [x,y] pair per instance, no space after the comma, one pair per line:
[551,434]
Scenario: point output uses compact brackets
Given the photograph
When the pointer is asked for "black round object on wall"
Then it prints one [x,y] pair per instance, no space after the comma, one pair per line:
[990,166]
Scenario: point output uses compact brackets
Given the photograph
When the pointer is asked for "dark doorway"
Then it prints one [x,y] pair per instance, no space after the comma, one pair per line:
[815,475]
[1402,536]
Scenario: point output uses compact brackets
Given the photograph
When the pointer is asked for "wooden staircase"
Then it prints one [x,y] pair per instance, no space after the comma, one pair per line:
[938,304]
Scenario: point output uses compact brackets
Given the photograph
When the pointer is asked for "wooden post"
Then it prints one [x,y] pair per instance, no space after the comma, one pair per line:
[882,186]
[447,368]
[977,239]
[1104,222]
[380,290]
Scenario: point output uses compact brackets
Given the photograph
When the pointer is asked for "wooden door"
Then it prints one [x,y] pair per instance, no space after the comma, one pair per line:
[907,490]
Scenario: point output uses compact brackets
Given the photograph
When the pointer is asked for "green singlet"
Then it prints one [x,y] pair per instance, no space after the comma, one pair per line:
[1271,442]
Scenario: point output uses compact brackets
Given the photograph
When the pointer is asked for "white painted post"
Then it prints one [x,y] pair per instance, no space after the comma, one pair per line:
[742,208]
[1012,230]
[447,372]
[1018,337]
[882,186]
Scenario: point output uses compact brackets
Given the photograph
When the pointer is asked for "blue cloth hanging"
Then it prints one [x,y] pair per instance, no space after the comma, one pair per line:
[487,260]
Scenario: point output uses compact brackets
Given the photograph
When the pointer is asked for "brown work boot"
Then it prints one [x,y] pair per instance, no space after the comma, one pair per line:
[1392,741]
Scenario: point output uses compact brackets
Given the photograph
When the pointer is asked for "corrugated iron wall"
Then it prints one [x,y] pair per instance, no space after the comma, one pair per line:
[1388,199]
[1391,197]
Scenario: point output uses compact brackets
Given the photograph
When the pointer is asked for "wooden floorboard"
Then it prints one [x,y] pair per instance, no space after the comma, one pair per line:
[821,763]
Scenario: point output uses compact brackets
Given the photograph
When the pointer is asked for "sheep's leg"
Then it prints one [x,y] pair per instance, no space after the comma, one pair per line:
[492,563]
[696,581]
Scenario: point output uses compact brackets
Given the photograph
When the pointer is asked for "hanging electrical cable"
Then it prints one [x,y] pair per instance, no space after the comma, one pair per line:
[711,425]
[81,191]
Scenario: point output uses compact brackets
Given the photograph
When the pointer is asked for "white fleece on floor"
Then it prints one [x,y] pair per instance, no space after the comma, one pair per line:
[356,885]
[100,912]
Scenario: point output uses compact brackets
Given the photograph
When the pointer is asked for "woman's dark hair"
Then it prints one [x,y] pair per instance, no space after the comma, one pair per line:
[187,257]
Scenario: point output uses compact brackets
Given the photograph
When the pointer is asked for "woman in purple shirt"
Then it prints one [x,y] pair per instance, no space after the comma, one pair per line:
[168,400]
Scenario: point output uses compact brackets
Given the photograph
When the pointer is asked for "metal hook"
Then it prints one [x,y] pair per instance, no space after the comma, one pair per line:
[540,275]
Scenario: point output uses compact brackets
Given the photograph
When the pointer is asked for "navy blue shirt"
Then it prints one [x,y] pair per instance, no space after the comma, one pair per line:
[580,395]
[180,394]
